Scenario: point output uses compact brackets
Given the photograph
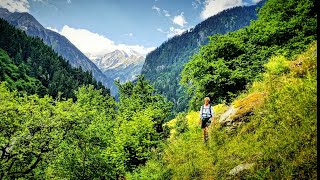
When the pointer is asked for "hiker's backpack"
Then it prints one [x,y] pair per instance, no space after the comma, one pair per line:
[209,110]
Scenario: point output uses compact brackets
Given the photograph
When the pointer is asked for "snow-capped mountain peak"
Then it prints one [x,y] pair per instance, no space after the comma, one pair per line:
[119,64]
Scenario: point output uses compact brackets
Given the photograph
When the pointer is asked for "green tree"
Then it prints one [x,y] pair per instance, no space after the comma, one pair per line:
[140,118]
[30,131]
[224,67]
[85,152]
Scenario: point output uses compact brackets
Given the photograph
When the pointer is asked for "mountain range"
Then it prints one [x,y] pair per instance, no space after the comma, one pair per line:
[120,64]
[59,43]
[161,66]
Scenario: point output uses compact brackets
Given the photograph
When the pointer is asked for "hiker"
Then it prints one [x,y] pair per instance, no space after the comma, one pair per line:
[206,117]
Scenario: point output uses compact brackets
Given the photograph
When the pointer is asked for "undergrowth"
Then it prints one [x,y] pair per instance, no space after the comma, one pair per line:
[278,138]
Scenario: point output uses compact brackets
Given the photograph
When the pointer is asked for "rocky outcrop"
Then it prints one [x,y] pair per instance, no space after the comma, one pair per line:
[240,110]
[240,167]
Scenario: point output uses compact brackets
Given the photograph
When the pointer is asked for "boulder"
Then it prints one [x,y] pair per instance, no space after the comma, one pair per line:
[238,112]
[240,168]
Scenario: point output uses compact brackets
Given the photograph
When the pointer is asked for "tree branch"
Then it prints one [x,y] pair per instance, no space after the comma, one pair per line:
[16,174]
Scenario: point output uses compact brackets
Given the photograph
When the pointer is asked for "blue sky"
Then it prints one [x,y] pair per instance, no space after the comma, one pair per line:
[139,24]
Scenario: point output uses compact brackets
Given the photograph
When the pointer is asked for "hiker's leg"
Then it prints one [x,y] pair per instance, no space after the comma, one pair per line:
[206,133]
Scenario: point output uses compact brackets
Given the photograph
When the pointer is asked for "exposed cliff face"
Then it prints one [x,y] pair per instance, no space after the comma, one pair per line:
[59,43]
[163,65]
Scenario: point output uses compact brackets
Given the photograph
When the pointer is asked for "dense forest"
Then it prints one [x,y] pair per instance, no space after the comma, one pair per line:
[164,64]
[57,122]
[44,138]
[60,44]
[27,64]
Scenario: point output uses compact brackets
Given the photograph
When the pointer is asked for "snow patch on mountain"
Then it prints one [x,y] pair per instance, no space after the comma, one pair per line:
[119,64]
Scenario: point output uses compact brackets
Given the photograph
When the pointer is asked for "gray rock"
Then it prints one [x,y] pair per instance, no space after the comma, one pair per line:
[225,118]
[240,168]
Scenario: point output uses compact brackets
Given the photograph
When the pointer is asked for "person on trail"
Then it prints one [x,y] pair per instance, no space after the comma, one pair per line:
[206,117]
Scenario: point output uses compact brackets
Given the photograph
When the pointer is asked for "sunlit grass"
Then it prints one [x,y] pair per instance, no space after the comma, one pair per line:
[278,138]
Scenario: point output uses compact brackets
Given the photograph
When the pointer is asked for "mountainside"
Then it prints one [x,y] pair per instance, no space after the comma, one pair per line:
[164,65]
[270,132]
[59,43]
[262,79]
[28,65]
[263,82]
[120,65]
[229,63]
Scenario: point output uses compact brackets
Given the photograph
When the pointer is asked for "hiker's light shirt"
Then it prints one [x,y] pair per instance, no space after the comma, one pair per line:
[205,113]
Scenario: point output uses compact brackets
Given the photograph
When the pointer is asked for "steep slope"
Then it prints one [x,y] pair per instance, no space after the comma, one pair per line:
[120,65]
[269,132]
[163,65]
[27,64]
[15,77]
[229,63]
[59,43]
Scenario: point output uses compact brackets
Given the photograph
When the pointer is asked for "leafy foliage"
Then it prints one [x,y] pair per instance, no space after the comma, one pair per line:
[31,128]
[224,67]
[164,65]
[83,152]
[46,138]
[90,136]
[278,140]
[141,117]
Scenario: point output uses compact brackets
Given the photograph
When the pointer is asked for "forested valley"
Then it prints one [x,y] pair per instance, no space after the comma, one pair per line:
[58,122]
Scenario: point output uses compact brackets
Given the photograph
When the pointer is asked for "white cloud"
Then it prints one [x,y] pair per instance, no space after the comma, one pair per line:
[175,31]
[86,41]
[180,20]
[256,1]
[138,48]
[172,31]
[156,8]
[15,5]
[166,13]
[53,29]
[196,3]
[129,34]
[69,1]
[213,7]
[95,44]
[160,30]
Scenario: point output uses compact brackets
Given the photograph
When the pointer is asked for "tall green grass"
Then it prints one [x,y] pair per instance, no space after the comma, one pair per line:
[278,138]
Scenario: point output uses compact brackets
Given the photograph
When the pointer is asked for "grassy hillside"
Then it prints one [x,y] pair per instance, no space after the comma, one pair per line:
[265,128]
[229,63]
[271,133]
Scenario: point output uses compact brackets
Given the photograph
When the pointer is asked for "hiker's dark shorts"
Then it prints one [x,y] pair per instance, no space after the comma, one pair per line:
[205,122]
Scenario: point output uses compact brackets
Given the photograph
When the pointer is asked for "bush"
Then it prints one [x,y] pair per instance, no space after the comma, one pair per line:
[278,139]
